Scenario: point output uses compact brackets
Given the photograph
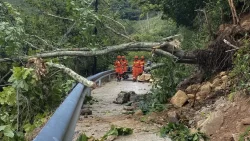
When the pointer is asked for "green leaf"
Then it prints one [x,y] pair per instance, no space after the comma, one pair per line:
[2,127]
[83,137]
[8,132]
[195,137]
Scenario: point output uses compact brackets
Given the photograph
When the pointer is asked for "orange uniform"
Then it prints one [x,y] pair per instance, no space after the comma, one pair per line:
[118,67]
[142,63]
[125,65]
[136,68]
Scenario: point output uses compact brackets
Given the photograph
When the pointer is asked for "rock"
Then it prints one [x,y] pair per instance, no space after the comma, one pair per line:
[206,87]
[198,98]
[236,137]
[212,123]
[135,104]
[123,97]
[173,117]
[133,97]
[222,73]
[86,111]
[224,85]
[138,113]
[202,94]
[179,99]
[224,78]
[216,82]
[190,96]
[218,88]
[192,88]
[129,108]
[127,112]
[189,89]
[245,121]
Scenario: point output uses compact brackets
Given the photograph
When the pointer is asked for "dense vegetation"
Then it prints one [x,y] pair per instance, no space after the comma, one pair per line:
[28,27]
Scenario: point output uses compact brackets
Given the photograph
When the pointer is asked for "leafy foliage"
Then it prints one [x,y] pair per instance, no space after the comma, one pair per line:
[114,131]
[241,69]
[28,102]
[179,132]
[167,78]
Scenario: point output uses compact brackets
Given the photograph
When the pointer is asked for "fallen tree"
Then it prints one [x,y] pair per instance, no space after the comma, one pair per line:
[216,57]
[169,50]
[40,68]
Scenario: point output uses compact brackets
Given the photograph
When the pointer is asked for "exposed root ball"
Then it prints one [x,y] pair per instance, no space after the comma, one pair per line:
[219,55]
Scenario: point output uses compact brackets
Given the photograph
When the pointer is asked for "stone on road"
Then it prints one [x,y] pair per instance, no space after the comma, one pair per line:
[106,113]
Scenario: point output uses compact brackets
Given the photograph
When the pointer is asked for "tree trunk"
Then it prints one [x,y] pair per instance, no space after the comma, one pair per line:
[167,50]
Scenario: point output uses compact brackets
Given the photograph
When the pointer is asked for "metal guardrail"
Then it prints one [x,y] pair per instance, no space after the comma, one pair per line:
[61,125]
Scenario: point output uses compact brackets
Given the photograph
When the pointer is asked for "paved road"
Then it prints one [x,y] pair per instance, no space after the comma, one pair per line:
[106,113]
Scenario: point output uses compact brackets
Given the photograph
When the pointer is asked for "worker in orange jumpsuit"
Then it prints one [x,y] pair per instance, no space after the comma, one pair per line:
[118,68]
[125,67]
[142,63]
[136,68]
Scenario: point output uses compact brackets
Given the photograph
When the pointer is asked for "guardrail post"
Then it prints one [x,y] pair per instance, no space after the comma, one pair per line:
[109,77]
[88,92]
[99,82]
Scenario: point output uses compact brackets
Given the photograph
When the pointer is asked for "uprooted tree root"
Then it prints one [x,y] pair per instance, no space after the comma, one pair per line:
[219,54]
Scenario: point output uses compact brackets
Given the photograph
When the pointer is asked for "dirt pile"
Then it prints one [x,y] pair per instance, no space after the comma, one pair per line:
[210,107]
[200,92]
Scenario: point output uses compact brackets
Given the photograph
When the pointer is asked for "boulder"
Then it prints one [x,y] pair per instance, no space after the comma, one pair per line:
[216,82]
[206,87]
[133,97]
[212,123]
[124,97]
[179,99]
[173,117]
[221,87]
[192,88]
[202,94]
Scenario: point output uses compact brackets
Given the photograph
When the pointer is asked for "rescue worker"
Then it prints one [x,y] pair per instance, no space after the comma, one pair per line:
[136,68]
[118,68]
[125,67]
[142,63]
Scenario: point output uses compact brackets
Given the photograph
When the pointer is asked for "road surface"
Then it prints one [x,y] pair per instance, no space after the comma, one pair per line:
[106,113]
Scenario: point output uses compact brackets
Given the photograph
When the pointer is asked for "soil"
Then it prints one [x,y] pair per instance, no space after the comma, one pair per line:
[106,113]
[233,117]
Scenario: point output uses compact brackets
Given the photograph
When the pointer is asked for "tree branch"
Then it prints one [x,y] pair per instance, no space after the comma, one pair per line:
[72,74]
[167,50]
[55,16]
[115,22]
[170,37]
[155,66]
[6,75]
[120,34]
